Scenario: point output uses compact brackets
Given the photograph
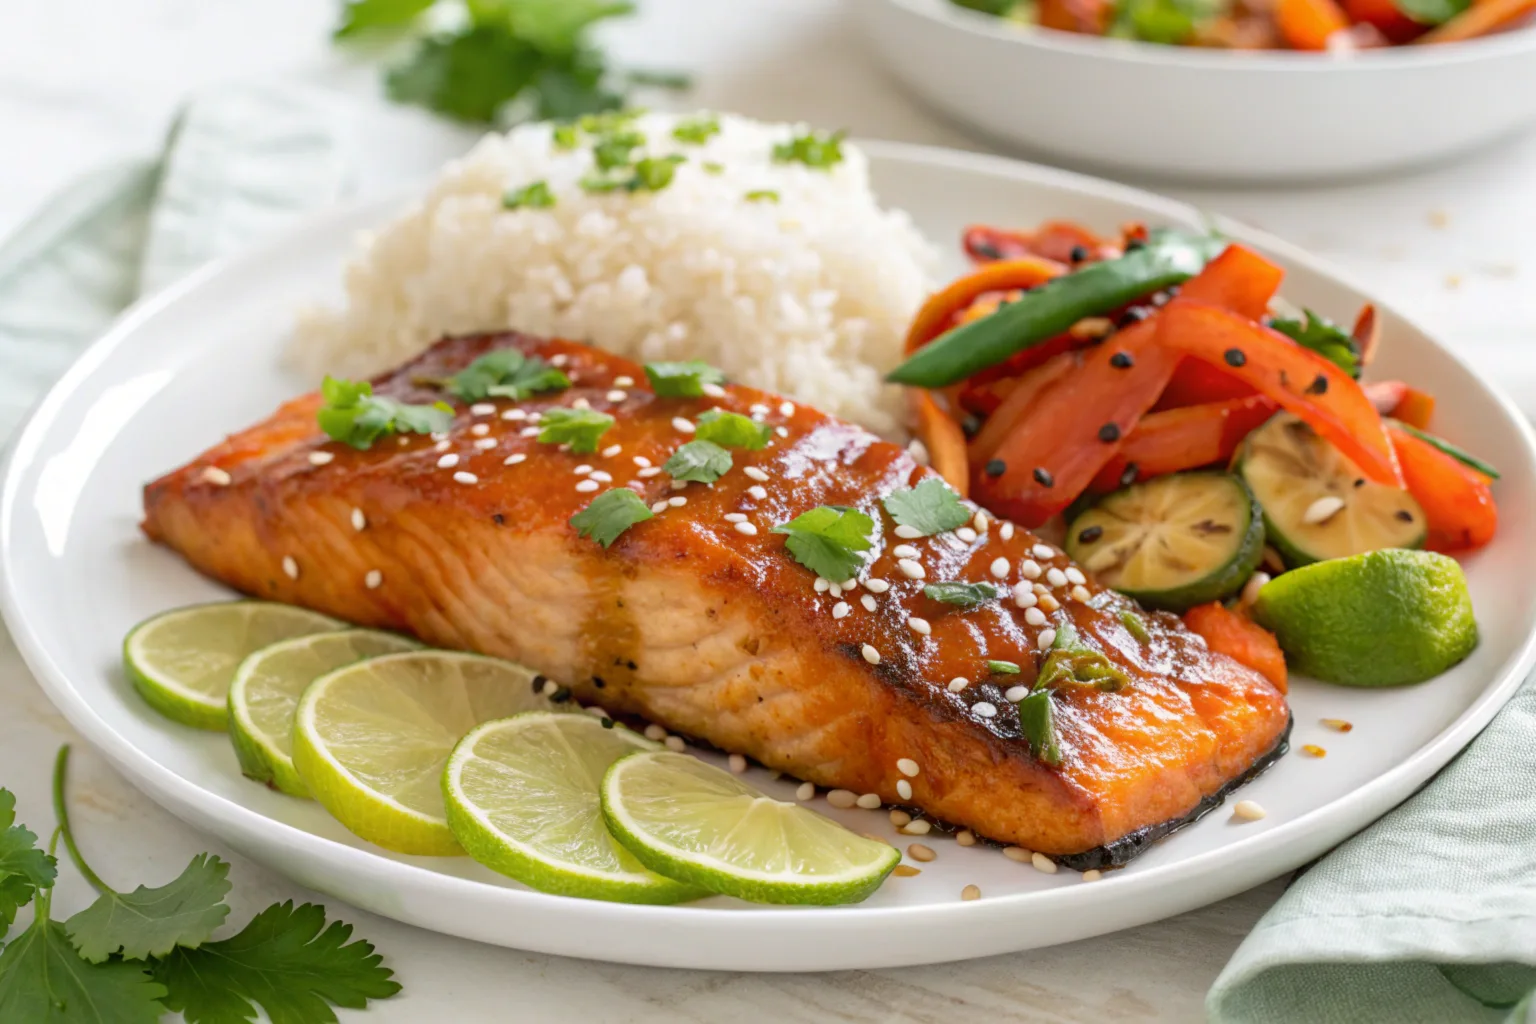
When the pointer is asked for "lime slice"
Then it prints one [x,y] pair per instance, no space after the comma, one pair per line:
[522,799]
[182,661]
[688,820]
[1385,618]
[266,691]
[370,740]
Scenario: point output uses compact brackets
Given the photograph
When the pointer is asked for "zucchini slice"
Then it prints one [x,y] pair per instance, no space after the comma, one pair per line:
[1317,504]
[1172,542]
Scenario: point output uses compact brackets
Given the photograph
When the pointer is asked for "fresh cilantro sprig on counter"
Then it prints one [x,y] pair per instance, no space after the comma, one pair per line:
[929,508]
[579,428]
[1324,337]
[610,514]
[506,373]
[682,380]
[354,415]
[732,430]
[828,540]
[964,595]
[701,462]
[132,958]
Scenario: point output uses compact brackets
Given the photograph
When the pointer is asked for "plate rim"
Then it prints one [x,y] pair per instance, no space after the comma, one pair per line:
[1231,868]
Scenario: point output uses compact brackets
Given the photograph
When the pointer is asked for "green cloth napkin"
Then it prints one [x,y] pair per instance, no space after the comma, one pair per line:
[239,164]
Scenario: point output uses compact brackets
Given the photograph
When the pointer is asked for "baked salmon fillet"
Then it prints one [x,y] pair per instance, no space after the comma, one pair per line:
[701,620]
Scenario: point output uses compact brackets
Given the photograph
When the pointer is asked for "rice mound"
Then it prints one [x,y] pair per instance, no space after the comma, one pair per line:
[809,295]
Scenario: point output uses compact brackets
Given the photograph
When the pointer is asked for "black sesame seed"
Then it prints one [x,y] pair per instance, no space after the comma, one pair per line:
[597,681]
[1109,433]
[996,467]
[561,695]
[1319,385]
[1359,481]
[498,519]
[631,666]
[1234,357]
[1405,515]
[971,426]
[1043,477]
[1091,534]
[538,684]
[607,723]
[1122,361]
[1128,474]
[1078,254]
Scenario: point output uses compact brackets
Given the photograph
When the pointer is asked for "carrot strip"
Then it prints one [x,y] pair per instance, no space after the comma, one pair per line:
[943,438]
[1479,20]
[1180,439]
[1026,391]
[1239,638]
[1457,500]
[937,312]
[1307,24]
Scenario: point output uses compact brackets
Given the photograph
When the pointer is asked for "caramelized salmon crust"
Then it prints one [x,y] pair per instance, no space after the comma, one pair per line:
[700,620]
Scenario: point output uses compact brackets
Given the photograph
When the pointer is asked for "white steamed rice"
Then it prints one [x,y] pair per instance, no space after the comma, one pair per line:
[809,296]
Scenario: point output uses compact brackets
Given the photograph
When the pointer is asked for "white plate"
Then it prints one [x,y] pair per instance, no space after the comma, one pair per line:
[1182,112]
[185,368]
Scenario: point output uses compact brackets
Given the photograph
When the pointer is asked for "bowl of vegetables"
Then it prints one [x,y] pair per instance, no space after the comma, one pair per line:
[1220,90]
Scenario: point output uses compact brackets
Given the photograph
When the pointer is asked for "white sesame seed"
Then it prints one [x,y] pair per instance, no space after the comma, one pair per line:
[983,709]
[758,407]
[756,474]
[965,837]
[655,732]
[1055,577]
[746,529]
[876,586]
[786,408]
[321,458]
[1076,575]
[1092,875]
[1005,531]
[908,767]
[871,655]
[624,381]
[836,589]
[441,446]
[448,461]
[738,764]
[1043,863]
[1048,603]
[528,432]
[1046,638]
[1080,593]
[513,415]
[1322,509]
[682,425]
[712,390]
[512,460]
[290,567]
[905,551]
[1017,854]
[869,801]
[1000,568]
[677,502]
[981,520]
[1043,551]
[466,478]
[216,476]
[1251,589]
[480,429]
[906,532]
[735,517]
[438,435]
[806,791]
[581,403]
[821,585]
[842,799]
[841,610]
[612,450]
[910,569]
[919,626]
[1247,810]
[970,892]
[582,470]
[954,544]
[904,789]
[917,827]
[966,534]
[781,431]
[675,744]
[359,521]
[587,486]
[1030,568]
[373,579]
[900,818]
[1034,616]
[1015,694]
[482,409]
[642,462]
[559,360]
[535,417]
[601,476]
[868,602]
[616,395]
[659,507]
[758,491]
[1023,589]
[648,472]
[958,683]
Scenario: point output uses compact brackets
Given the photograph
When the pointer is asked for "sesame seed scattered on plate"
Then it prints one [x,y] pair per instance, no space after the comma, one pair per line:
[1000,568]
[868,602]
[908,767]
[747,529]
[805,791]
[869,801]
[655,732]
[970,892]
[675,744]
[965,837]
[919,852]
[1017,854]
[512,460]
[958,683]
[1247,810]
[912,570]
[841,610]
[466,478]
[373,579]
[1092,875]
[982,709]
[876,586]
[290,567]
[905,551]
[842,799]
[1043,863]
[738,764]
[900,818]
[908,532]
[216,476]
[919,626]
[359,521]
[871,655]
[321,458]
[917,827]
[682,425]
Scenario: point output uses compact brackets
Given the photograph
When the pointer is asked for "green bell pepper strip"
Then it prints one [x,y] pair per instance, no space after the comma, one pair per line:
[1464,457]
[1167,258]
[1039,726]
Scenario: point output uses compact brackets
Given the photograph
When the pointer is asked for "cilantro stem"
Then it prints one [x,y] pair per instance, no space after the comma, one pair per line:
[61,811]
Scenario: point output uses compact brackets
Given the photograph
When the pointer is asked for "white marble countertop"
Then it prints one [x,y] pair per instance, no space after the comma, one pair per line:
[87,81]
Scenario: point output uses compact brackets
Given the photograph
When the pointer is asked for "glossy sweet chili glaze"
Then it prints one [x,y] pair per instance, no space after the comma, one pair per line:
[705,624]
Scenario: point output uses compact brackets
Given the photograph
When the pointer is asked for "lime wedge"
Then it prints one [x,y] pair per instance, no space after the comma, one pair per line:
[688,820]
[266,691]
[183,661]
[370,740]
[522,799]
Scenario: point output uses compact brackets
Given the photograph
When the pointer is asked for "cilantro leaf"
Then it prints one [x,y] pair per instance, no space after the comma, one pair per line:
[354,415]
[1038,724]
[814,149]
[702,462]
[555,26]
[24,869]
[286,961]
[827,540]
[610,514]
[682,380]
[654,173]
[467,77]
[762,195]
[44,981]
[506,373]
[929,508]
[697,130]
[614,149]
[733,430]
[579,428]
[1324,337]
[360,16]
[152,922]
[966,595]
[1003,668]
[533,196]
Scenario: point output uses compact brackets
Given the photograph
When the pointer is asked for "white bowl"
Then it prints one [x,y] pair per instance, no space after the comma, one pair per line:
[1186,113]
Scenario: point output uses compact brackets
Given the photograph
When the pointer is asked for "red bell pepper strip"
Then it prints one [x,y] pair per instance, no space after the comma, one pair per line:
[1239,638]
[1179,439]
[1054,240]
[1299,380]
[1457,500]
[1240,280]
[1401,401]
[1198,383]
[1027,389]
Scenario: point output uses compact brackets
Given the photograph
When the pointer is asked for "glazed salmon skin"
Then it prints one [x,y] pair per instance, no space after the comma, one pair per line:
[700,620]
